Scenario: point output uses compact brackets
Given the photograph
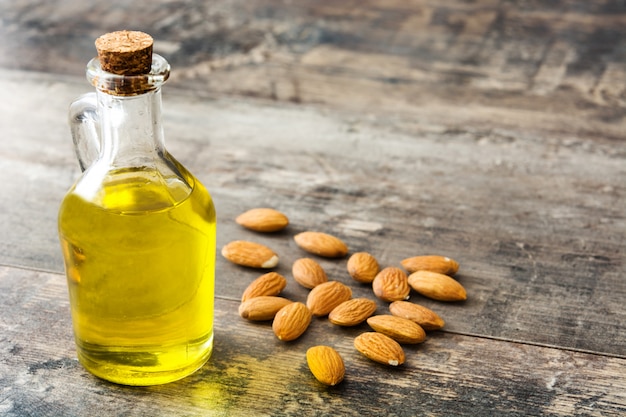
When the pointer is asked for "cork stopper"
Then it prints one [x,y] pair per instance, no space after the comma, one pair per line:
[125,52]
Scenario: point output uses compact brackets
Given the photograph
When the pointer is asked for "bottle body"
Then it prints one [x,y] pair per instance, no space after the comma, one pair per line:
[137,232]
[140,260]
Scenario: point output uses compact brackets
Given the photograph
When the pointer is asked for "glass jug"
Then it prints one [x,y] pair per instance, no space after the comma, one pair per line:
[137,232]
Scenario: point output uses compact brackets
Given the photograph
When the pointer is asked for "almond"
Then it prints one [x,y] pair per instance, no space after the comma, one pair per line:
[263,220]
[380,348]
[325,297]
[437,286]
[321,244]
[363,267]
[352,312]
[391,284]
[399,329]
[254,255]
[308,273]
[262,308]
[425,317]
[433,263]
[325,364]
[267,284]
[291,321]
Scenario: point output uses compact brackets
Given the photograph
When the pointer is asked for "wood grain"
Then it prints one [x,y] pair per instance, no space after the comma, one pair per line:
[536,227]
[447,372]
[520,55]
[488,131]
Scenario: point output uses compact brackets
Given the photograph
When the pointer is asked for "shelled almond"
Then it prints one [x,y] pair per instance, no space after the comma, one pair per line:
[437,286]
[363,267]
[380,348]
[251,254]
[263,220]
[291,321]
[321,244]
[325,297]
[391,284]
[398,328]
[271,283]
[352,312]
[433,263]
[326,364]
[425,317]
[308,273]
[262,308]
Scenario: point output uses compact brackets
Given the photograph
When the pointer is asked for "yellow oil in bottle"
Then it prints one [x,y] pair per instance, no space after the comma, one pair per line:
[140,258]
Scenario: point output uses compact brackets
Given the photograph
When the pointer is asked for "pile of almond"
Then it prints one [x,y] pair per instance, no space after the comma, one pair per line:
[407,323]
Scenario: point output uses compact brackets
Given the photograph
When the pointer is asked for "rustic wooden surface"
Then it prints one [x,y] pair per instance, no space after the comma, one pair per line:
[489,131]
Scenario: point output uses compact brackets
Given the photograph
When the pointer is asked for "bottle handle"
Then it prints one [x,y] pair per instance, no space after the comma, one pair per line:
[85,127]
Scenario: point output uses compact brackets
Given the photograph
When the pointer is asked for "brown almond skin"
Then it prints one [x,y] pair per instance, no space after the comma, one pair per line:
[325,297]
[352,312]
[398,328]
[363,267]
[263,220]
[250,254]
[308,273]
[326,365]
[391,284]
[262,308]
[271,283]
[291,321]
[437,286]
[425,317]
[433,263]
[380,348]
[321,244]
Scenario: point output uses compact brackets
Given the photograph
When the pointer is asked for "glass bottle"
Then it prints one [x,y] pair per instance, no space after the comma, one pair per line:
[137,232]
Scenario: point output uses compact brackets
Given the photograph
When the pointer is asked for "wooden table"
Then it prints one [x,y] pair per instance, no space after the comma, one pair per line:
[492,132]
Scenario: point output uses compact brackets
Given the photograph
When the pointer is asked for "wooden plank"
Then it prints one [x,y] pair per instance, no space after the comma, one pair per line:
[536,221]
[488,131]
[447,375]
[560,56]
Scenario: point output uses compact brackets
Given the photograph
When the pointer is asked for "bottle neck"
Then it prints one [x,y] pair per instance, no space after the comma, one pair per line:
[133,171]
[130,129]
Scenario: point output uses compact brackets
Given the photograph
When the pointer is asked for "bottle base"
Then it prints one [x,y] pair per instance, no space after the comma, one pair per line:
[143,366]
